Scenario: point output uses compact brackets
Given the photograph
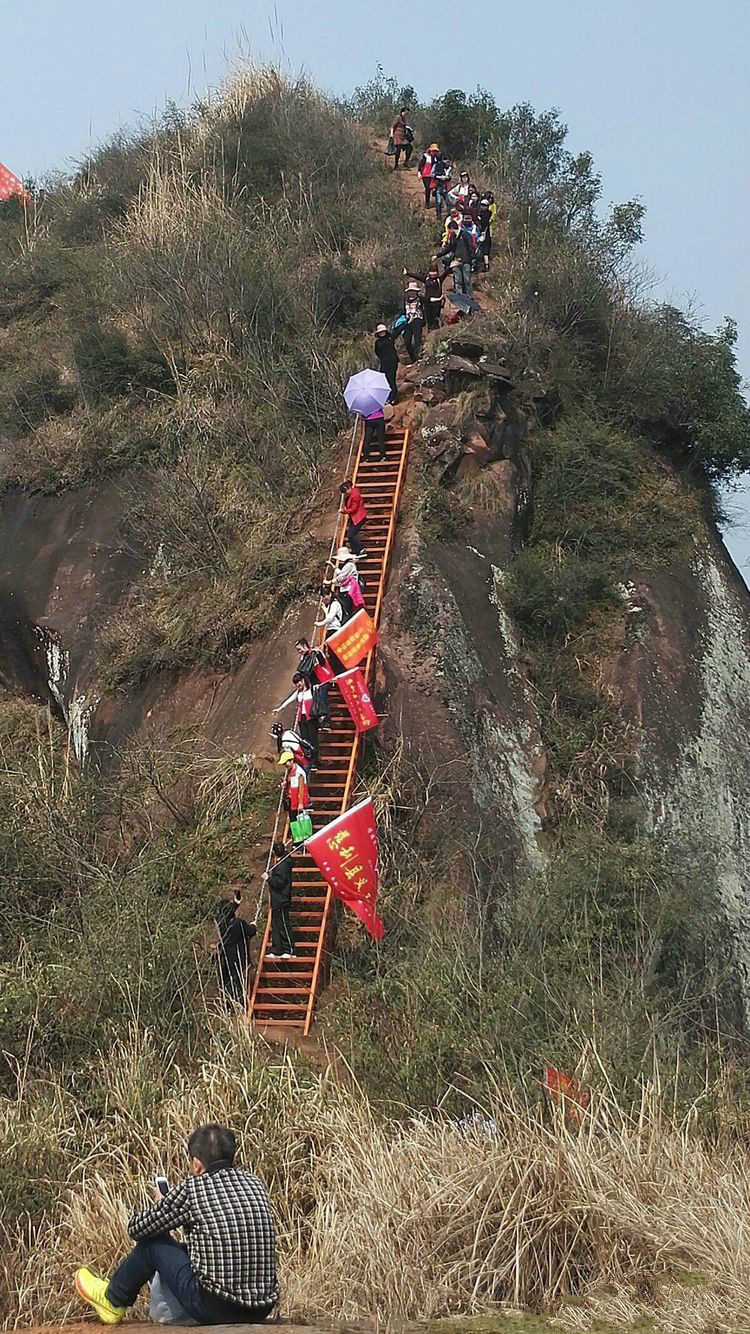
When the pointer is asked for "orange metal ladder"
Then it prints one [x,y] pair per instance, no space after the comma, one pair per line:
[284,991]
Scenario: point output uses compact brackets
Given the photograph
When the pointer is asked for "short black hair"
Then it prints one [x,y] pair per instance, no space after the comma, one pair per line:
[212,1144]
[279,849]
[303,641]
[297,678]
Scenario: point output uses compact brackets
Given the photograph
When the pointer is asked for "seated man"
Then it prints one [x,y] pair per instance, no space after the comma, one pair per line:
[226,1272]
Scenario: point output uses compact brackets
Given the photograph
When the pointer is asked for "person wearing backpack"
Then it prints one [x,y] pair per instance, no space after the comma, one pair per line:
[279,881]
[385,351]
[403,138]
[441,180]
[460,253]
[425,167]
[287,739]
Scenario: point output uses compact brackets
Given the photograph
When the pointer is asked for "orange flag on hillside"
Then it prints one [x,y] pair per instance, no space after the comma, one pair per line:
[354,640]
[562,1088]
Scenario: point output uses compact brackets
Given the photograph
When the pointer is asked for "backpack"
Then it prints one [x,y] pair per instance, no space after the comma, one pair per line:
[306,748]
[399,324]
[409,134]
[316,708]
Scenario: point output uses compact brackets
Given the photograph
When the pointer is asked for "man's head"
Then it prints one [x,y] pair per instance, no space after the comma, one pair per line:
[302,645]
[278,849]
[209,1146]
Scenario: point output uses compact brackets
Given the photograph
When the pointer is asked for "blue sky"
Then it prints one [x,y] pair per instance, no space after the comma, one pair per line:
[657,89]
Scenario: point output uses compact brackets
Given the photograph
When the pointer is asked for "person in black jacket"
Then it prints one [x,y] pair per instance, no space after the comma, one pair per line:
[385,351]
[415,317]
[280,889]
[233,954]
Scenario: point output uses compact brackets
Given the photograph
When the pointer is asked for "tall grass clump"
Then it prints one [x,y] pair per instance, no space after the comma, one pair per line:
[504,1207]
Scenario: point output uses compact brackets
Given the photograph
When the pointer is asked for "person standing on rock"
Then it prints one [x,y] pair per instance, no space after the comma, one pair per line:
[460,252]
[402,136]
[279,880]
[353,506]
[415,316]
[385,351]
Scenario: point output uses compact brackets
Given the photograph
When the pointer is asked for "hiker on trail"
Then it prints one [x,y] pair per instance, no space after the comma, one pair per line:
[225,1274]
[402,135]
[287,739]
[374,434]
[233,953]
[295,797]
[385,351]
[307,722]
[414,312]
[425,168]
[434,300]
[353,506]
[484,240]
[461,191]
[279,880]
[441,179]
[312,664]
[460,254]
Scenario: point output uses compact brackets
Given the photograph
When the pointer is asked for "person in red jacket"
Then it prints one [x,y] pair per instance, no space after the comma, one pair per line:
[353,506]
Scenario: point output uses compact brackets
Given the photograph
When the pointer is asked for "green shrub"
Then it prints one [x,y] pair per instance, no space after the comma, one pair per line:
[549,597]
[108,366]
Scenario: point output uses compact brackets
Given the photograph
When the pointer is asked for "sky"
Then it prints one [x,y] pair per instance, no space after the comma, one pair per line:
[658,90]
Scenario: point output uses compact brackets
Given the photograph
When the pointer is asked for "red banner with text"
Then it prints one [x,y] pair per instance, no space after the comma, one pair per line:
[354,640]
[10,185]
[346,853]
[357,699]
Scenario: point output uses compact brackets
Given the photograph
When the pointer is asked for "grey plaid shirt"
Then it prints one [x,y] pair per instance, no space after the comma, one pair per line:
[230,1237]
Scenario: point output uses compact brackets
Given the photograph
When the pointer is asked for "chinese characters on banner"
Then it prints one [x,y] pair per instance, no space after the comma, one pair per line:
[354,640]
[346,853]
[10,185]
[353,687]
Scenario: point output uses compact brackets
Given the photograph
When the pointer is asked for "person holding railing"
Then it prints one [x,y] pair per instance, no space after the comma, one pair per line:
[305,719]
[279,880]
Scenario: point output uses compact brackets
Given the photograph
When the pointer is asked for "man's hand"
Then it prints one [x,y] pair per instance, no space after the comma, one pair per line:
[264,875]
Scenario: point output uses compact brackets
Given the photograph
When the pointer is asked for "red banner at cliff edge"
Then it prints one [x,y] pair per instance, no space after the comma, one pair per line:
[346,853]
[354,640]
[10,185]
[353,687]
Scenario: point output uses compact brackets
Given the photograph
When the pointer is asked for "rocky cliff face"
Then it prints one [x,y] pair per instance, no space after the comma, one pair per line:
[455,687]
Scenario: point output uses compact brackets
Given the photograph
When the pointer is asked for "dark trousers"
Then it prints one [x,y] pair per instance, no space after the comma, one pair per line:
[282,940]
[406,149]
[432,313]
[374,432]
[325,704]
[354,536]
[171,1260]
[413,338]
[308,730]
[389,371]
[427,183]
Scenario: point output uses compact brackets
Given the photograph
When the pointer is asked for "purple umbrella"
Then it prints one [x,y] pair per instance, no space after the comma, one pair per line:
[366,392]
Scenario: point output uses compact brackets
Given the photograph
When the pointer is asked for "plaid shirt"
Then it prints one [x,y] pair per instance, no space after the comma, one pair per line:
[230,1233]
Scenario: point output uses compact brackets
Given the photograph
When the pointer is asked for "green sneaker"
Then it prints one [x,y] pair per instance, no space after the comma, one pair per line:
[94,1291]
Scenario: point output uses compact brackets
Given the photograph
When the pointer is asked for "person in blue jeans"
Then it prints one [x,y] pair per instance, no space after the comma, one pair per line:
[441,180]
[225,1273]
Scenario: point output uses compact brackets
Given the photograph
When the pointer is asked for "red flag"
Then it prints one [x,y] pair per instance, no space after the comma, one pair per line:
[357,699]
[564,1089]
[346,853]
[10,185]
[354,640]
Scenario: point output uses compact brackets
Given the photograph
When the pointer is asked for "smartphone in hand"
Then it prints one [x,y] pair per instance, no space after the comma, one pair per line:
[161,1183]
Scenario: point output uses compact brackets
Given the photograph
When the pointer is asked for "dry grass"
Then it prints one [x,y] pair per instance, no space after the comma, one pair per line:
[401,1218]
